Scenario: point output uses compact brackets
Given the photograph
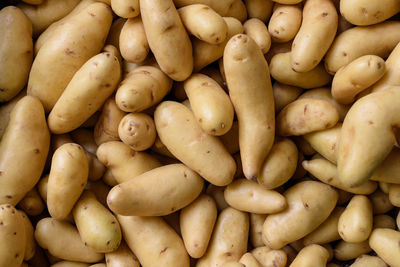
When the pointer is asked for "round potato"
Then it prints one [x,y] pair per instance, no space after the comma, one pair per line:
[133,41]
[257,30]
[126,8]
[385,242]
[138,131]
[285,22]
[122,257]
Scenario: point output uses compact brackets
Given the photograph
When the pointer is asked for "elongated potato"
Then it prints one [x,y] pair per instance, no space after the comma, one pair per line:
[30,244]
[210,104]
[345,251]
[32,204]
[391,76]
[285,22]
[229,239]
[312,256]
[126,8]
[303,204]
[197,223]
[16,51]
[67,179]
[258,31]
[250,90]
[282,71]
[316,34]
[137,130]
[122,257]
[25,143]
[259,9]
[133,42]
[356,76]
[367,260]
[68,244]
[267,257]
[385,242]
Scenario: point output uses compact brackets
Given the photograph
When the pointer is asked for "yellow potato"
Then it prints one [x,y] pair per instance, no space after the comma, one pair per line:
[62,240]
[257,30]
[70,264]
[24,143]
[285,22]
[383,221]
[122,257]
[391,76]
[315,36]
[137,130]
[30,244]
[282,71]
[256,224]
[311,256]
[385,242]
[124,162]
[394,195]
[303,205]
[287,2]
[356,76]
[197,223]
[100,189]
[84,137]
[115,52]
[210,104]
[126,8]
[380,202]
[260,9]
[388,170]
[229,239]
[249,260]
[231,139]
[32,204]
[232,264]
[5,111]
[133,41]
[268,258]
[67,179]
[284,95]
[115,32]
[16,51]
[367,260]
[345,251]
[250,90]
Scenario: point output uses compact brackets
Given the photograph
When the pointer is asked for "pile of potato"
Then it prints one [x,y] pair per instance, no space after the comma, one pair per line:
[208,133]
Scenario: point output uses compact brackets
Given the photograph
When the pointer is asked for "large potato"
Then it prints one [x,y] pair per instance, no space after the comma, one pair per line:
[133,42]
[385,242]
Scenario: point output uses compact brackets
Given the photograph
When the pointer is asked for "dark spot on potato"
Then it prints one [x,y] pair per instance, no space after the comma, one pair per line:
[107,85]
[133,9]
[1,222]
[213,131]
[69,52]
[169,27]
[305,108]
[398,243]
[85,244]
[173,208]
[163,250]
[364,11]
[17,255]
[253,177]
[296,63]
[8,196]
[13,211]
[108,55]
[108,242]
[228,254]
[15,233]
[315,61]
[276,31]
[36,151]
[113,222]
[91,14]
[1,173]
[2,90]
[324,14]
[8,206]
[208,151]
[306,206]
[330,180]
[344,54]
[370,122]
[184,174]
[379,65]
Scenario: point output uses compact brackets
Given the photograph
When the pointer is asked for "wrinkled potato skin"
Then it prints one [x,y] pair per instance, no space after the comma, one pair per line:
[138,131]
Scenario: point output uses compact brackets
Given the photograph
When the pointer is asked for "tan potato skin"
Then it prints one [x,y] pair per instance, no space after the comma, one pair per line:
[311,256]
[68,244]
[138,131]
[282,71]
[231,138]
[122,257]
[25,143]
[210,104]
[383,221]
[154,242]
[70,264]
[283,228]
[5,111]
[357,76]
[259,9]
[226,8]
[65,52]
[256,224]
[126,8]
[229,239]
[385,243]
[367,260]
[284,94]
[387,171]
[133,41]
[380,202]
[267,257]
[249,260]
[316,34]
[197,223]
[288,2]
[394,195]
[258,31]
[16,51]
[30,243]
[157,192]
[32,204]
[250,90]
[285,22]
[68,176]
[379,40]
[391,76]
[345,251]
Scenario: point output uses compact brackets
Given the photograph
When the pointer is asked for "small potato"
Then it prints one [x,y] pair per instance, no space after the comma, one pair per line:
[305,116]
[268,258]
[284,95]
[394,195]
[126,8]
[249,260]
[311,256]
[256,224]
[210,104]
[367,260]
[122,257]
[197,223]
[30,243]
[385,242]
[356,76]
[391,76]
[137,130]
[260,9]
[285,22]
[384,221]
[380,202]
[257,30]
[133,42]
[68,244]
[345,251]
[32,204]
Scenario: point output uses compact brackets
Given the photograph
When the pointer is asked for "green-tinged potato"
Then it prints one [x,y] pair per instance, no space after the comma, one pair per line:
[380,202]
[270,258]
[385,242]
[303,205]
[197,223]
[142,88]
[182,135]
[133,41]
[67,179]
[62,240]
[356,76]
[394,195]
[97,226]
[255,232]
[126,8]
[379,40]
[70,264]
[383,221]
[138,131]
[311,256]
[30,244]
[229,239]
[250,90]
[90,86]
[326,172]
[260,9]
[345,251]
[304,116]
[5,111]
[250,196]
[392,74]
[16,51]
[210,104]
[315,36]
[25,142]
[366,12]
[204,23]
[124,162]
[153,241]
[157,192]
[122,257]
[66,51]
[284,94]
[388,171]
[249,260]
[355,223]
[370,261]
[285,22]
[32,204]
[280,164]
[258,31]
[282,71]
[231,139]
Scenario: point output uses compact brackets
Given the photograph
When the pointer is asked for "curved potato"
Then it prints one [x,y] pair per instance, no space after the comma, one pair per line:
[32,204]
[285,22]
[312,256]
[258,31]
[121,257]
[385,242]
[267,257]
[133,42]
[126,8]
[30,243]
[367,260]
[138,131]
[391,76]
[260,9]
[345,251]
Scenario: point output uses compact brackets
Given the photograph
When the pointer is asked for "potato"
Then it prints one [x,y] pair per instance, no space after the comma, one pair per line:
[124,162]
[282,71]
[137,130]
[126,8]
[250,90]
[25,143]
[345,251]
[315,36]
[385,242]
[249,260]
[232,264]
[312,255]
[256,224]
[144,87]
[391,76]
[260,9]
[367,260]
[30,244]
[133,41]
[257,30]
[197,223]
[394,195]
[268,258]
[84,137]
[303,204]
[287,2]
[67,179]
[229,239]
[68,244]
[231,138]
[32,204]
[356,76]
[278,48]
[379,40]
[210,104]
[157,192]
[115,33]
[70,264]
[284,94]
[5,111]
[387,171]
[285,22]
[122,257]
[380,202]
[383,221]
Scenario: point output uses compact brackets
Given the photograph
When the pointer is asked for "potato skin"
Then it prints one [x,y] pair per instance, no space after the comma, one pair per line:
[121,257]
[138,131]
[25,143]
[133,42]
[258,31]
[367,260]
[391,76]
[16,51]
[126,8]
[385,243]
[312,255]
[285,22]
